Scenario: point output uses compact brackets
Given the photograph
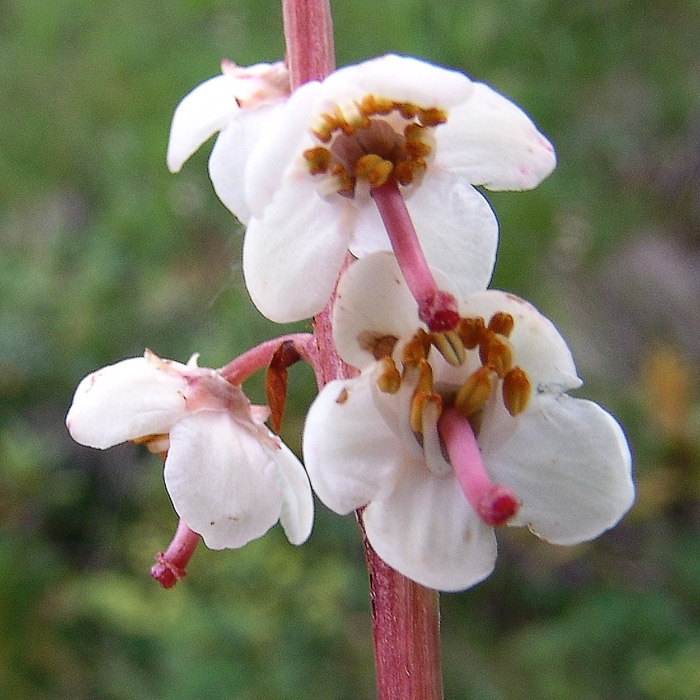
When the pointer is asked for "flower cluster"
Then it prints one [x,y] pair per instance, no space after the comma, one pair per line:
[458,421]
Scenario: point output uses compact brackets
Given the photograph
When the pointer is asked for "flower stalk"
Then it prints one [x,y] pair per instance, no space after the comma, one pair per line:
[405,615]
[170,564]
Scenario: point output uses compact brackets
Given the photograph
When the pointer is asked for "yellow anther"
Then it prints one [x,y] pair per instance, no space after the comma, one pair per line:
[319,159]
[416,349]
[450,346]
[418,404]
[415,145]
[425,381]
[389,379]
[516,391]
[407,110]
[345,184]
[405,171]
[496,353]
[471,331]
[374,169]
[473,394]
[502,323]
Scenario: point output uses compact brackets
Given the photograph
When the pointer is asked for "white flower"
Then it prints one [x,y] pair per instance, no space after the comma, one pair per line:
[239,104]
[308,182]
[230,479]
[443,436]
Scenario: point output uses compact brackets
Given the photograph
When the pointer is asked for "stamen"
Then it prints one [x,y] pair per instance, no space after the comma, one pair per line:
[437,309]
[495,504]
[496,353]
[450,347]
[501,322]
[416,349]
[389,380]
[516,391]
[474,393]
[471,331]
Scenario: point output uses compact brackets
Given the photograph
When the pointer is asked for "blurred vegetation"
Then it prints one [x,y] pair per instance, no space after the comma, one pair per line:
[103,253]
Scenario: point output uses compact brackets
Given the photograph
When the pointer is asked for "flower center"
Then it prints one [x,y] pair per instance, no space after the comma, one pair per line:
[372,140]
[455,412]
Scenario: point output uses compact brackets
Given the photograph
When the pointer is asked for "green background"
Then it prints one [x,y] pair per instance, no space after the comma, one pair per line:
[103,253]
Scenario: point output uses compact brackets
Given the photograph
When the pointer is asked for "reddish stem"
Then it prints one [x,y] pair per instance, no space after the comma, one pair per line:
[170,564]
[405,616]
[257,358]
[437,309]
[308,33]
[406,622]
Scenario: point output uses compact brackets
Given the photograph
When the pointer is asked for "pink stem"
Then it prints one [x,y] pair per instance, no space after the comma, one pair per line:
[495,504]
[437,309]
[406,623]
[308,33]
[170,564]
[257,358]
[405,616]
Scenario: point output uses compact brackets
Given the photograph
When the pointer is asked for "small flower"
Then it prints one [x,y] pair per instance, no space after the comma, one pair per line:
[432,131]
[230,479]
[239,104]
[444,436]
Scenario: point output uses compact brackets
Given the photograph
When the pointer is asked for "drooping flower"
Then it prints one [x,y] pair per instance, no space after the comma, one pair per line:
[238,104]
[431,132]
[229,478]
[445,436]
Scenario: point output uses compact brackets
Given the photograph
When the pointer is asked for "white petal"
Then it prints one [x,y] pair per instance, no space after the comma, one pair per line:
[426,530]
[568,461]
[537,345]
[350,454]
[492,142]
[200,114]
[372,296]
[125,401]
[222,482]
[401,79]
[277,155]
[232,149]
[293,254]
[457,229]
[297,503]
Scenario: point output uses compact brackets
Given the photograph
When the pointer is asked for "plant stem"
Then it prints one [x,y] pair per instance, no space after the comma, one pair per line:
[405,616]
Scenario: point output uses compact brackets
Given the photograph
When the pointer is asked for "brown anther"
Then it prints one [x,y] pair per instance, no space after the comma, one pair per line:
[407,110]
[318,159]
[155,444]
[405,171]
[516,391]
[379,345]
[374,169]
[450,346]
[418,403]
[496,353]
[346,184]
[471,331]
[389,380]
[432,116]
[473,394]
[415,146]
[416,349]
[502,323]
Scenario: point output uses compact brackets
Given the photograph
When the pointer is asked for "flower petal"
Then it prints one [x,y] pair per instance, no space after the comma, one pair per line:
[350,454]
[400,79]
[568,461]
[222,482]
[200,114]
[125,401]
[538,347]
[297,502]
[232,149]
[457,229]
[492,142]
[372,297]
[426,530]
[293,254]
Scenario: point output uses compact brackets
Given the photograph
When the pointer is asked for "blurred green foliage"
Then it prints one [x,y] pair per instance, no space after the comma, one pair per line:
[103,253]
